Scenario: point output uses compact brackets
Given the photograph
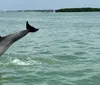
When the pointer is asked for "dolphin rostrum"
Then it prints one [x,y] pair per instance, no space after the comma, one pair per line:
[7,41]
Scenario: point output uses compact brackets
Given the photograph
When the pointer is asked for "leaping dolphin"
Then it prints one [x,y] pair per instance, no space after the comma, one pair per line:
[7,41]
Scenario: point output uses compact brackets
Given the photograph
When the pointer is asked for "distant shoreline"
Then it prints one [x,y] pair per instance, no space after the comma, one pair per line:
[60,10]
[78,10]
[30,10]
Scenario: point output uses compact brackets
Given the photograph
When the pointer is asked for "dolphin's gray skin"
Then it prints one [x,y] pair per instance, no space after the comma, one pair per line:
[7,41]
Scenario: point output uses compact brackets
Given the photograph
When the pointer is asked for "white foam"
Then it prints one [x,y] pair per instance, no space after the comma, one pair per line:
[20,62]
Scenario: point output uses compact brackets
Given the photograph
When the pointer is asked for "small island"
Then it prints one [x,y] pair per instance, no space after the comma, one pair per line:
[78,10]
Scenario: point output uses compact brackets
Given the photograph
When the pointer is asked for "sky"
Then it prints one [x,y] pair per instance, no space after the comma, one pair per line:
[46,4]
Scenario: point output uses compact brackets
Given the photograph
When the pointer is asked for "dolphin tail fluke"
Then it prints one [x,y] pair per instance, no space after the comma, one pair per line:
[30,28]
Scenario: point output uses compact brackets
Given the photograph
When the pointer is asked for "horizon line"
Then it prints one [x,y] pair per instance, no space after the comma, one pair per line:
[44,9]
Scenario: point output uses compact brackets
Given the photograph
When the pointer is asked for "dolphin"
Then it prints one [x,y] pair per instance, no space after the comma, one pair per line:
[7,41]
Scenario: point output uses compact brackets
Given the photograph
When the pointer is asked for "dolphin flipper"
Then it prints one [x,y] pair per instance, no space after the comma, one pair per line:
[30,28]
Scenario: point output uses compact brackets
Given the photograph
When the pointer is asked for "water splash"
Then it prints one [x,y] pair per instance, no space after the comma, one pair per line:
[25,63]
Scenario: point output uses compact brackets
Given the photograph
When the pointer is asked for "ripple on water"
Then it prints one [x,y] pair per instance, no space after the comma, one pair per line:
[65,57]
[80,53]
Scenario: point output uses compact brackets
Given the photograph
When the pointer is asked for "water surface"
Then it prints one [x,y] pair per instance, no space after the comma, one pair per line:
[65,51]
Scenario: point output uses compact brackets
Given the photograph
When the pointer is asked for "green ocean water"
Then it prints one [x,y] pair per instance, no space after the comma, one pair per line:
[65,50]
